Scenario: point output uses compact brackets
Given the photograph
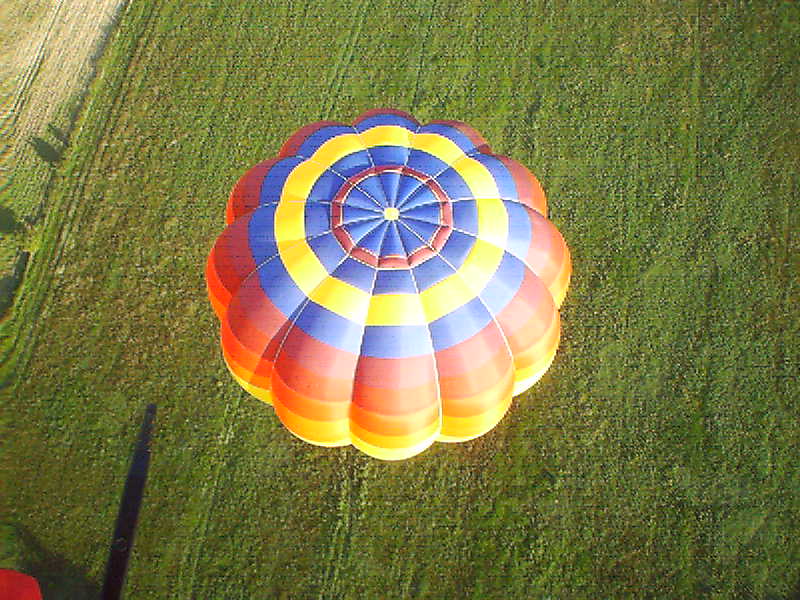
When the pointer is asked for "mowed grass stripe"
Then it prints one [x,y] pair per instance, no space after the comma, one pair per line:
[654,458]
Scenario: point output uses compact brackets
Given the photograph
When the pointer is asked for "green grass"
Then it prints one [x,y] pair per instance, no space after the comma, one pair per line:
[657,458]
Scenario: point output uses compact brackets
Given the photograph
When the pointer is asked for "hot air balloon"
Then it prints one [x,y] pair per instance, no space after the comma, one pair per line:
[18,586]
[388,284]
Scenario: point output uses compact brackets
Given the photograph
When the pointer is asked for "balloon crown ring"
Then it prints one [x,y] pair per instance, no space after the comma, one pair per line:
[388,284]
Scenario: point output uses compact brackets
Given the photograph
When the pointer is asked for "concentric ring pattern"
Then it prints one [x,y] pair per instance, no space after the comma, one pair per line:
[388,284]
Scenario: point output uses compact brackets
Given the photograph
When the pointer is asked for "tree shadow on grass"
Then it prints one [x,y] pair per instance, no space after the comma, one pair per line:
[795,595]
[58,578]
[58,134]
[8,220]
[10,283]
[46,151]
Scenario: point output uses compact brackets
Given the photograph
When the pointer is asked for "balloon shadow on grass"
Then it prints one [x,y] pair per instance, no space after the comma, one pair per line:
[58,578]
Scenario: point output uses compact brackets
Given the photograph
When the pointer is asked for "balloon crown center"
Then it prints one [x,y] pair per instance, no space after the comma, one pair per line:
[390,213]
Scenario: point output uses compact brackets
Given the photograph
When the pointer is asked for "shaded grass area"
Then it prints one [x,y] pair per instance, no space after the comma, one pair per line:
[657,458]
[58,579]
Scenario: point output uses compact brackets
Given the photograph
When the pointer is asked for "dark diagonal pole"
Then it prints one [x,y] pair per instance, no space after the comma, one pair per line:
[128,515]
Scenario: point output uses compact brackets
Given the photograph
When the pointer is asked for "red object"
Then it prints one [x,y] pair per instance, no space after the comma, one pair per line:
[18,586]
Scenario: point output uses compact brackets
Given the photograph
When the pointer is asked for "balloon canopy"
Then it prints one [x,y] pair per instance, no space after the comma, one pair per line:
[18,586]
[388,284]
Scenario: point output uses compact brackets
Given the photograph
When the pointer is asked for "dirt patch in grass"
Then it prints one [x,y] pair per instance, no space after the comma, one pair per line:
[47,56]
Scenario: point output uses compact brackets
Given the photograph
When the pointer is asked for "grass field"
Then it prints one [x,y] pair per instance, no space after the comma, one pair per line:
[658,458]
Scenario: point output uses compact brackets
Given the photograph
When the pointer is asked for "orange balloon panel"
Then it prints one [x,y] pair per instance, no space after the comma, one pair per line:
[388,284]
